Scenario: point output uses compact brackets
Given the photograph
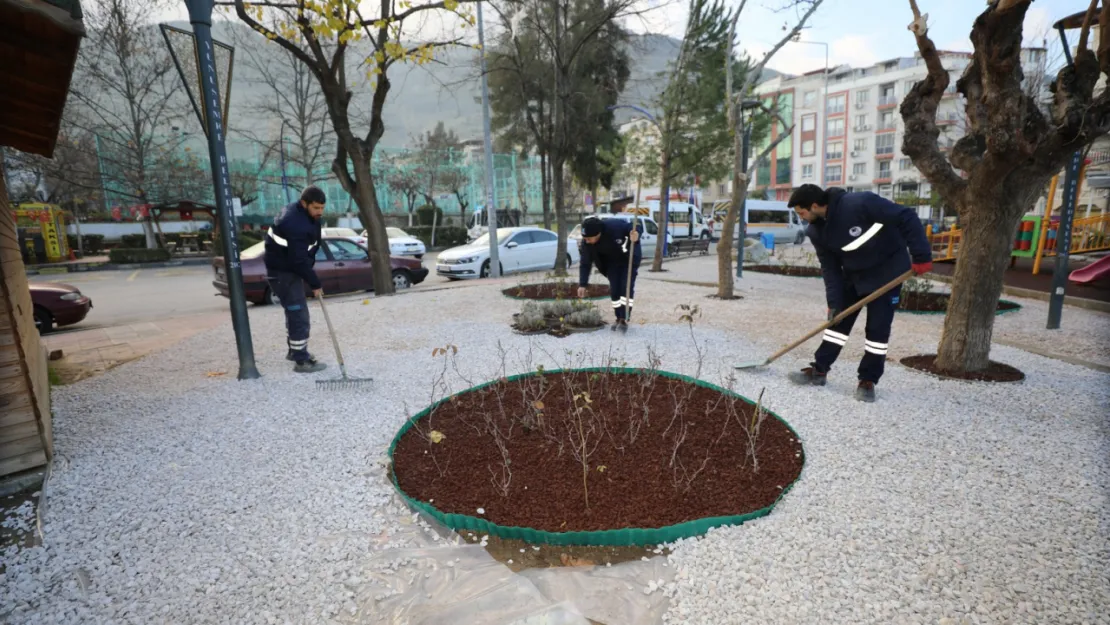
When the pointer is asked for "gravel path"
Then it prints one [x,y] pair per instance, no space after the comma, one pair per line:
[180,495]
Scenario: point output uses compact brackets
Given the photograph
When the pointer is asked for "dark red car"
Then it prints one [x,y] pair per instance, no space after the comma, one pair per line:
[58,305]
[342,265]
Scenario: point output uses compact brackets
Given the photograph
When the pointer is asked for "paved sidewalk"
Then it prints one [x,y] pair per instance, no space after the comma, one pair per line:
[92,352]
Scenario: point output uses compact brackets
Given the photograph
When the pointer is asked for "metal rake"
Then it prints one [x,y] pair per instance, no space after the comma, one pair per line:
[345,383]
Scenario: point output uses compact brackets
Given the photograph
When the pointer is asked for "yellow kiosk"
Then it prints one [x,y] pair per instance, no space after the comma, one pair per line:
[45,222]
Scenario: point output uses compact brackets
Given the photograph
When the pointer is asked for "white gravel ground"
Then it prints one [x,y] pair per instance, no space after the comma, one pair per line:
[180,497]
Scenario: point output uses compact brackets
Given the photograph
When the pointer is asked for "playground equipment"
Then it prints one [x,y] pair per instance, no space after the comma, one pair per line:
[1092,272]
[1089,234]
[42,231]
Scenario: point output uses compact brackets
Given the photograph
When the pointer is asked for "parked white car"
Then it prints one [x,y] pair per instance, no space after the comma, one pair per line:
[344,233]
[526,248]
[647,242]
[402,243]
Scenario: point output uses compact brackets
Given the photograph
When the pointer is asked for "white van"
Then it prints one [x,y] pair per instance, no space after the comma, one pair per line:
[647,242]
[680,216]
[767,216]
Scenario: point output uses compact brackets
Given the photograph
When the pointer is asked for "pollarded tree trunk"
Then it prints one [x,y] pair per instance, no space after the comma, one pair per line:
[664,202]
[370,213]
[725,261]
[560,216]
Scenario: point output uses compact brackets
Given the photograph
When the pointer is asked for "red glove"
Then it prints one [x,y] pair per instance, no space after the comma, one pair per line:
[922,268]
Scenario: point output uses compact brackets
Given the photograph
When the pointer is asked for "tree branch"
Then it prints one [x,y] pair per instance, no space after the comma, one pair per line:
[757,71]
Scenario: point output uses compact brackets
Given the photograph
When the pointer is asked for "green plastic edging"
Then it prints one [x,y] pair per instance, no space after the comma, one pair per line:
[944,312]
[619,537]
[550,299]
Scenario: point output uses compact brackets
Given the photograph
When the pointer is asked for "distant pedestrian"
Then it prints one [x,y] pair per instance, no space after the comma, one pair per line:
[611,244]
[291,245]
[861,241]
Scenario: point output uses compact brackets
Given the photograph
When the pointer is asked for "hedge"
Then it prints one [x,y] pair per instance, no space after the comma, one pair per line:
[128,256]
[93,243]
[445,235]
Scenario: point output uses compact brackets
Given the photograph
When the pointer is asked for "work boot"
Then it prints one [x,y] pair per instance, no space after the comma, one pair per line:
[309,366]
[291,356]
[622,324]
[808,377]
[865,391]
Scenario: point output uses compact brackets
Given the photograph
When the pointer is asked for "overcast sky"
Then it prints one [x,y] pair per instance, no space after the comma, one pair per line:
[858,32]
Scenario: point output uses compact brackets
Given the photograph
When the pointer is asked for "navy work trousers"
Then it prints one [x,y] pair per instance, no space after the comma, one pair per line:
[880,316]
[289,288]
[619,295]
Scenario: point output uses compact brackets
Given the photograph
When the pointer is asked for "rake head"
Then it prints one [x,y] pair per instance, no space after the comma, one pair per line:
[344,384]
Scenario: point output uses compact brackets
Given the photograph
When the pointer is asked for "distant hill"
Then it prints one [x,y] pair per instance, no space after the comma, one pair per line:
[447,91]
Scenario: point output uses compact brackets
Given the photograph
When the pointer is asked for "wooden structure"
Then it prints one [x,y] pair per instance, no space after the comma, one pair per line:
[38,49]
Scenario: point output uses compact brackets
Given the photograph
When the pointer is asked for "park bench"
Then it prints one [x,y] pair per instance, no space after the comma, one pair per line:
[689,246]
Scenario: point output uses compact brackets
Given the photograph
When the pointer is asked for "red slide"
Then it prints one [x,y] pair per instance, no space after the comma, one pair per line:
[1092,272]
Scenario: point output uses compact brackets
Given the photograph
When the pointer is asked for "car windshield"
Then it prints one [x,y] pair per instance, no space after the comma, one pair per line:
[253,251]
[395,233]
[502,234]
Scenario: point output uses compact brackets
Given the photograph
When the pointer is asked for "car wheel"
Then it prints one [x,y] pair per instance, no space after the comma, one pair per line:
[401,280]
[485,269]
[419,256]
[271,298]
[44,321]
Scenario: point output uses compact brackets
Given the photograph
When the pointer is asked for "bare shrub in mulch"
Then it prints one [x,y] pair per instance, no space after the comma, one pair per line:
[601,448]
[995,371]
[555,290]
[796,271]
[558,318]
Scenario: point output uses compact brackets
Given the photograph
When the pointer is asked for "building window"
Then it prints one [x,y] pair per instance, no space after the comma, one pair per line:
[833,173]
[885,191]
[907,87]
[809,99]
[859,169]
[860,145]
[884,170]
[861,122]
[884,144]
[835,104]
[905,164]
[807,172]
[809,147]
[721,189]
[863,97]
[834,127]
[835,151]
[809,123]
[886,122]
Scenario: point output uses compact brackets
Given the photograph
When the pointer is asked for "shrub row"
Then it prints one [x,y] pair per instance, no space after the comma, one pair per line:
[127,256]
[445,235]
[93,243]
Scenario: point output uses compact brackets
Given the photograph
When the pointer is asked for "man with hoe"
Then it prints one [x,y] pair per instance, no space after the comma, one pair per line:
[291,245]
[611,244]
[861,241]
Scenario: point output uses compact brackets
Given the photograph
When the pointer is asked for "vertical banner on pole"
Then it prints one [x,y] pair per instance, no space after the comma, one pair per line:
[1063,242]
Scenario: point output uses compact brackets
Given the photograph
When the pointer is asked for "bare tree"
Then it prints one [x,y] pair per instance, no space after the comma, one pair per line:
[1010,152]
[741,177]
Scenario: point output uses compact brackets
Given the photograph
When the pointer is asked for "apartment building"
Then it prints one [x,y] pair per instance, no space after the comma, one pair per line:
[848,129]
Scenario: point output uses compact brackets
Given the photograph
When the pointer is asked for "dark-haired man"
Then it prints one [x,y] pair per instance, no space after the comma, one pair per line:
[611,244]
[291,245]
[861,241]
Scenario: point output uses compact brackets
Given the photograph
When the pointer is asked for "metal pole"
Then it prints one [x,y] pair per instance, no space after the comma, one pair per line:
[742,231]
[491,191]
[1063,242]
[825,118]
[200,16]
[100,166]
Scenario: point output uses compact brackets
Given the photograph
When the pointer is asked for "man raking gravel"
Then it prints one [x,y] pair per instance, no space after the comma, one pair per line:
[614,246]
[861,241]
[291,245]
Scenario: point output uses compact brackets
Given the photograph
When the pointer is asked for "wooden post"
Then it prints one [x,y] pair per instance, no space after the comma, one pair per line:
[1045,220]
[951,241]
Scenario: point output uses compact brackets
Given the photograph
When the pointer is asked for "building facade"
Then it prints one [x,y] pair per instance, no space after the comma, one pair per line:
[848,131]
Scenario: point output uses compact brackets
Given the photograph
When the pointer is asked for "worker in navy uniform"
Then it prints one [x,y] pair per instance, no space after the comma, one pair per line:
[291,245]
[610,244]
[861,240]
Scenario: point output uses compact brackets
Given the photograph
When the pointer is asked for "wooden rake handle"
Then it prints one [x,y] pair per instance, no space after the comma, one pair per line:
[840,317]
[334,340]
[628,280]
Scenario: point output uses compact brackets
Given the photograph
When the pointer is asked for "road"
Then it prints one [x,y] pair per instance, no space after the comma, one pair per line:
[143,295]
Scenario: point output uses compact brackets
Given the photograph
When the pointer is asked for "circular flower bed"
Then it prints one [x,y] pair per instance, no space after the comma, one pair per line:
[557,318]
[995,371]
[599,456]
[929,303]
[796,271]
[555,290]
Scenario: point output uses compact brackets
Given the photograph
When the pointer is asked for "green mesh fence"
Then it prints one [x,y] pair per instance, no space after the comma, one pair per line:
[178,168]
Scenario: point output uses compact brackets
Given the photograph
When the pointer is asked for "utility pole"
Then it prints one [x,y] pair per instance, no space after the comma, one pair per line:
[491,190]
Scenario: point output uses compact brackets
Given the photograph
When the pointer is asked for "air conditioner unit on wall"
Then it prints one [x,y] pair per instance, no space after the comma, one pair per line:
[852,177]
[859,105]
[854,153]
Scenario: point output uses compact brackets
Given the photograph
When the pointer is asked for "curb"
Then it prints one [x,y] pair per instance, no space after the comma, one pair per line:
[1078,302]
[88,267]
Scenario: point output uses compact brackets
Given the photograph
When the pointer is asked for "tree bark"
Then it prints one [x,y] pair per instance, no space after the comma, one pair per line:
[560,216]
[664,202]
[545,190]
[371,215]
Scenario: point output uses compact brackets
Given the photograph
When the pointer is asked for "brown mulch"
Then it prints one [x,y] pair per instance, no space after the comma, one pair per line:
[630,483]
[555,290]
[797,271]
[995,371]
[555,327]
[937,302]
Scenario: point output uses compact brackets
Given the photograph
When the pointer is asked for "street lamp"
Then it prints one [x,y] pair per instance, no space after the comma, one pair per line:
[1071,184]
[824,103]
[742,232]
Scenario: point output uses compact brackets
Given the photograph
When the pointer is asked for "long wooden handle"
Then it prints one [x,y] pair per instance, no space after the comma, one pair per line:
[628,285]
[848,311]
[334,341]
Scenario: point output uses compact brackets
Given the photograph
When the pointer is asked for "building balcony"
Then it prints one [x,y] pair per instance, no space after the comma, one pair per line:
[950,92]
[888,101]
[835,109]
[832,180]
[886,127]
[884,154]
[883,177]
[947,119]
